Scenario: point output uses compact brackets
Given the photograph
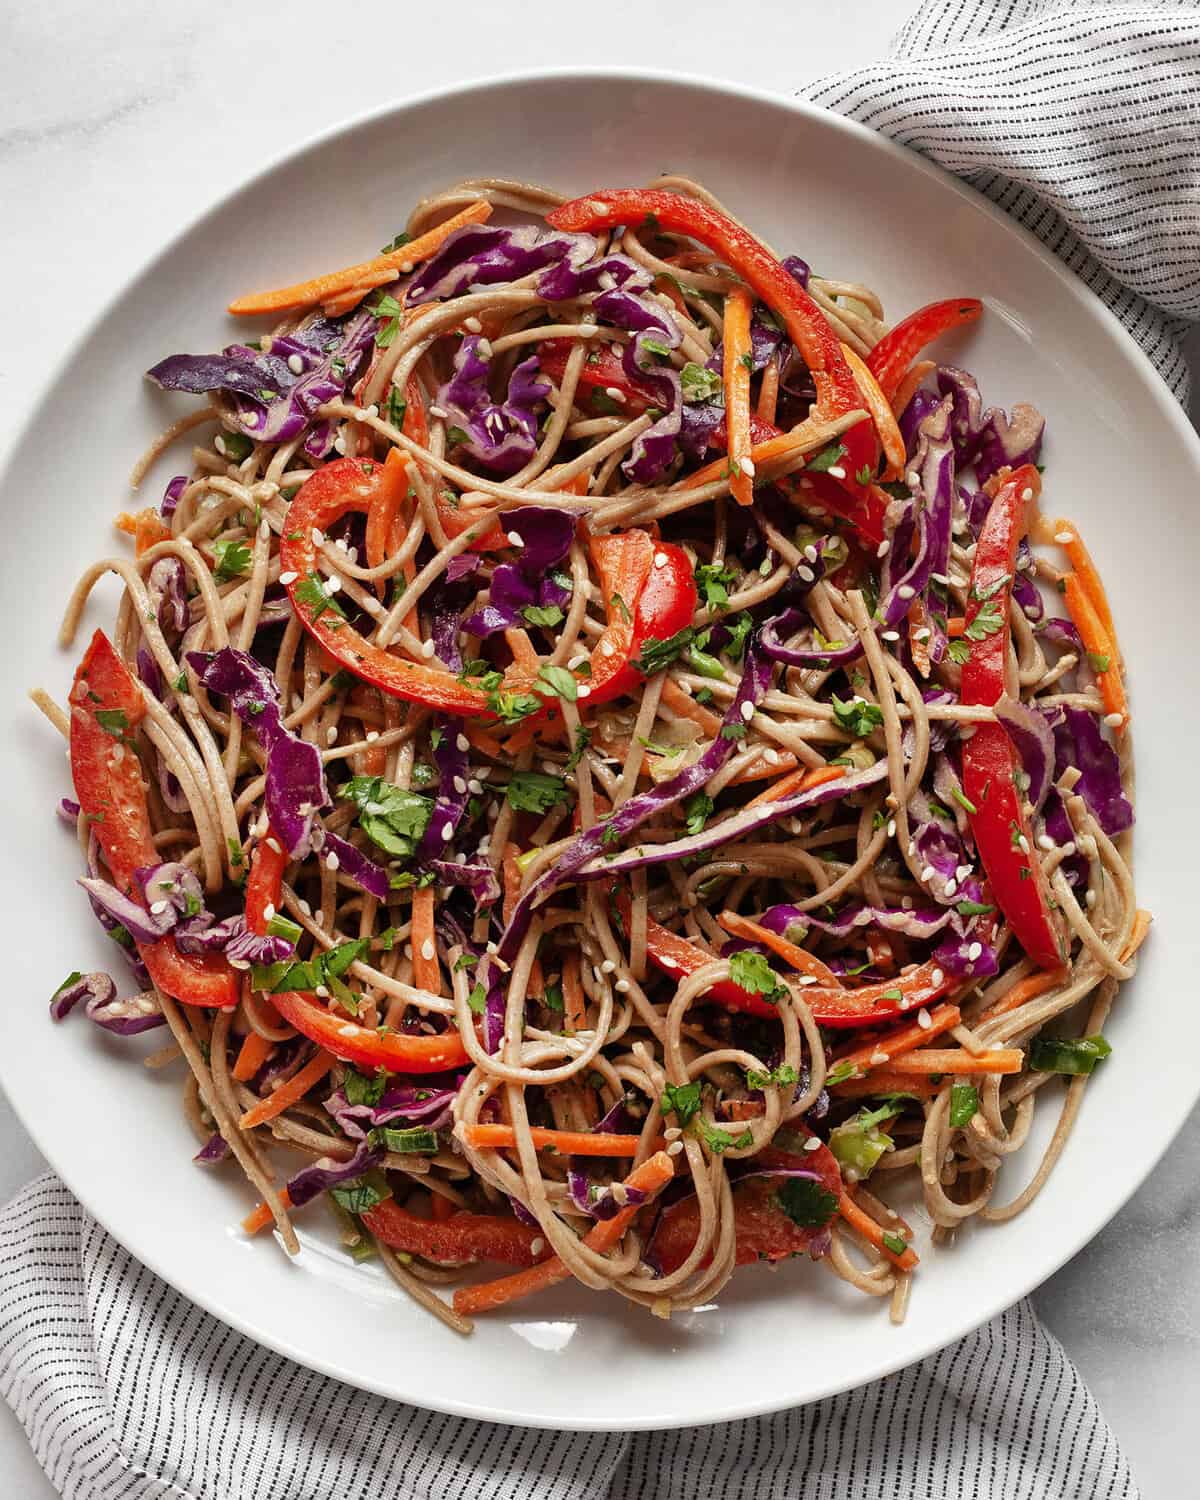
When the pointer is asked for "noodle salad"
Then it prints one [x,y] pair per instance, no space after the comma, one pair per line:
[584,762]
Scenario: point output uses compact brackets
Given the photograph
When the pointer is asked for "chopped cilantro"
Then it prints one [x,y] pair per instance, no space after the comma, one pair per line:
[310,591]
[535,791]
[230,560]
[113,721]
[822,462]
[657,654]
[560,682]
[987,622]
[696,811]
[964,1101]
[857,717]
[808,1204]
[751,971]
[682,1100]
[958,651]
[699,384]
[720,1141]
[546,615]
[392,817]
[714,583]
[779,1077]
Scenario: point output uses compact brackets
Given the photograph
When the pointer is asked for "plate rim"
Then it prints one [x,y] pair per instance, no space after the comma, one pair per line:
[1090,304]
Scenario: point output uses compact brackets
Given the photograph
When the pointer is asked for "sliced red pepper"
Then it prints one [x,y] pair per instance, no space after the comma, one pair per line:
[108,782]
[461,1237]
[602,372]
[346,485]
[764,1231]
[397,1051]
[837,390]
[264,884]
[867,1005]
[643,601]
[895,351]
[990,763]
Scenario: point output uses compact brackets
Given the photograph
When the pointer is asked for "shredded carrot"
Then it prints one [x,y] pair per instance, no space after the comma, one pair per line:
[367,274]
[574,999]
[260,1215]
[680,703]
[484,741]
[254,1052]
[384,514]
[650,1178]
[666,285]
[955,626]
[927,1060]
[1141,926]
[522,649]
[907,388]
[145,527]
[885,1081]
[806,963]
[738,359]
[565,1142]
[880,411]
[427,973]
[1026,989]
[786,445]
[1098,643]
[1089,578]
[797,781]
[768,394]
[290,1092]
[859,1219]
[918,636]
[895,1043]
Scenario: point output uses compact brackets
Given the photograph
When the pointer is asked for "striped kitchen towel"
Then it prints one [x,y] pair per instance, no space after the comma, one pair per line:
[130,1392]
[1080,119]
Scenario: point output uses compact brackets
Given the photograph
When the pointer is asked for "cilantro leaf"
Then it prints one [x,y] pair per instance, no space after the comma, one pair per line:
[656,655]
[987,622]
[857,717]
[535,791]
[720,1141]
[699,384]
[547,615]
[392,817]
[807,1203]
[822,462]
[230,560]
[560,682]
[958,652]
[778,1077]
[682,1100]
[113,721]
[697,810]
[750,971]
[714,583]
[310,591]
[964,1101]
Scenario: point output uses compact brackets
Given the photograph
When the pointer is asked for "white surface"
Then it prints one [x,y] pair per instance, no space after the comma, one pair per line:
[118,124]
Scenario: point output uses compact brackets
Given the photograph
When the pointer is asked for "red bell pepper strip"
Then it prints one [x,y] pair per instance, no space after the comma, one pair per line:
[461,1237]
[397,1051]
[108,782]
[764,1230]
[643,600]
[837,391]
[333,491]
[896,350]
[998,822]
[264,884]
[867,1005]
[602,373]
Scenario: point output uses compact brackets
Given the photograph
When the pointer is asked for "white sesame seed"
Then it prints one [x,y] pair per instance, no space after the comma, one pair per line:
[447,832]
[319,917]
[890,635]
[805,573]
[334,585]
[339,443]
[1069,849]
[927,874]
[614,393]
[1023,844]
[1090,898]
[962,872]
[295,364]
[318,537]
[836,471]
[1045,841]
[975,951]
[623,986]
[884,548]
[771,756]
[331,861]
[583,691]
[427,649]
[812,1144]
[578,661]
[877,1058]
[515,539]
[537,1246]
[923,1020]
[427,949]
[484,348]
[747,467]
[608,967]
[472,325]
[672,1134]
[1063,538]
[660,559]
[906,591]
[463,743]
[891,828]
[439,412]
[938,976]
[668,962]
[923,634]
[158,906]
[331,735]
[1114,720]
[607,648]
[474,787]
[951,887]
[1027,493]
[340,544]
[674,1148]
[372,736]
[747,711]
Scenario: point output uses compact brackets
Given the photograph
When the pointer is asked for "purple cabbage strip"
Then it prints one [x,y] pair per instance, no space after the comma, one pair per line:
[775,631]
[1005,444]
[214,1150]
[167,588]
[1078,742]
[325,1173]
[545,536]
[417,1106]
[748,820]
[931,515]
[1033,741]
[273,403]
[141,925]
[296,790]
[450,804]
[941,851]
[149,673]
[125,1017]
[172,495]
[793,923]
[500,437]
[476,876]
[962,953]
[756,678]
[1063,634]
[601,1203]
[481,255]
[68,810]
[922,403]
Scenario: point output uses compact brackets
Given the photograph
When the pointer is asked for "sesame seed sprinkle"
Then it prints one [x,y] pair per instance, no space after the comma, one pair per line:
[747,467]
[923,1020]
[427,949]
[427,649]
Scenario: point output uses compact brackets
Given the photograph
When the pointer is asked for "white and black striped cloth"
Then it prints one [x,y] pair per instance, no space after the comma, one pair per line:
[87,1334]
[1083,121]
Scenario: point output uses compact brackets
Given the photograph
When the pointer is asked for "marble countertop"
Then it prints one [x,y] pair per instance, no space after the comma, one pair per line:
[120,123]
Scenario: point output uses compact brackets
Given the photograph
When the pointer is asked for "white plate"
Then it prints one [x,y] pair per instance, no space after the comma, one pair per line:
[1122,460]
